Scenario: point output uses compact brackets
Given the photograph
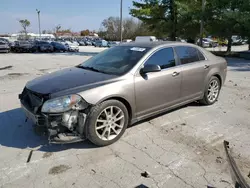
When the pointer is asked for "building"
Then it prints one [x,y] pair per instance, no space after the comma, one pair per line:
[31,36]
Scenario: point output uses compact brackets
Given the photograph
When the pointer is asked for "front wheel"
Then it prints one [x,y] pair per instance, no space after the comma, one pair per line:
[212,91]
[106,122]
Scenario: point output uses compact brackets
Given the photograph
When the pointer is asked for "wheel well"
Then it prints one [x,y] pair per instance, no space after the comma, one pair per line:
[125,102]
[218,76]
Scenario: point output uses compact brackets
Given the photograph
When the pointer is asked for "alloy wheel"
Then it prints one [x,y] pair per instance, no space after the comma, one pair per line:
[213,91]
[110,123]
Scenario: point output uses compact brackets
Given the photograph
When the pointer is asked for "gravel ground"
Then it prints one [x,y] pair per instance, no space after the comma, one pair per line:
[181,148]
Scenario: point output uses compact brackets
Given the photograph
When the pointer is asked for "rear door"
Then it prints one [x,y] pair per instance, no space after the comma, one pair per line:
[158,90]
[192,64]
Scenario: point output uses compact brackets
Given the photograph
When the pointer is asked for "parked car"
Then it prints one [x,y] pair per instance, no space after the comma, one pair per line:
[44,46]
[97,99]
[112,43]
[236,40]
[88,43]
[92,42]
[59,47]
[81,43]
[101,43]
[127,40]
[145,39]
[24,46]
[244,41]
[207,42]
[5,40]
[222,42]
[72,47]
[4,47]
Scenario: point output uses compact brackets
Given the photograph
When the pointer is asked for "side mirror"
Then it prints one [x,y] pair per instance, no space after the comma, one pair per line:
[150,68]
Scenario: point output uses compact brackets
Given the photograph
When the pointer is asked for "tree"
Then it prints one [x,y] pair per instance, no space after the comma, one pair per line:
[189,17]
[25,24]
[85,32]
[228,17]
[57,29]
[65,31]
[131,28]
[170,18]
[159,15]
[112,27]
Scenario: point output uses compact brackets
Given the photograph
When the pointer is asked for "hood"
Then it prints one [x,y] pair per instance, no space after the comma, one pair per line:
[67,79]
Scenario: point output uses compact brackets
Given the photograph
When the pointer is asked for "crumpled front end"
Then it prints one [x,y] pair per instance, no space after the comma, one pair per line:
[61,127]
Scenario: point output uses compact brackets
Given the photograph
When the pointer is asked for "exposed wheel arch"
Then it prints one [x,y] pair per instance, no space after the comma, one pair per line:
[219,77]
[124,101]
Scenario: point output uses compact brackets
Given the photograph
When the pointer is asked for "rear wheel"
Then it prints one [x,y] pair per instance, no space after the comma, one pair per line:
[212,91]
[107,122]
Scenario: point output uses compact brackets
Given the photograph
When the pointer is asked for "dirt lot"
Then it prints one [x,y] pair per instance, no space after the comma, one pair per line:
[182,148]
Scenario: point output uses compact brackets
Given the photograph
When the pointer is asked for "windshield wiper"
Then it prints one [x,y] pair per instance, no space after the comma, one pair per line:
[89,68]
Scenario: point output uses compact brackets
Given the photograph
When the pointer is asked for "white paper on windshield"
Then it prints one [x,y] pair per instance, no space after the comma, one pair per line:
[138,49]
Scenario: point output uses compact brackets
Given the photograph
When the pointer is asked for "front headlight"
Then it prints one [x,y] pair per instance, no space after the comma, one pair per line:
[62,104]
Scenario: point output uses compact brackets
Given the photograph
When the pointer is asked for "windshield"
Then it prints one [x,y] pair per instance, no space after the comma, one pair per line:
[117,60]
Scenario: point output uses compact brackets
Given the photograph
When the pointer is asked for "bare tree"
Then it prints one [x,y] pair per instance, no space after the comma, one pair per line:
[57,29]
[25,24]
[111,28]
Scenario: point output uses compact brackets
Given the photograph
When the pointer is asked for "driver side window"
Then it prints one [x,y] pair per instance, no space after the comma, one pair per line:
[164,58]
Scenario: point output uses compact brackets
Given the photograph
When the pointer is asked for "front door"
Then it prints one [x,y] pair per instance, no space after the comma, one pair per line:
[158,90]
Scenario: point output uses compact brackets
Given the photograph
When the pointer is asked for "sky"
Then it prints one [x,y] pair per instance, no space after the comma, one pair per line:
[70,14]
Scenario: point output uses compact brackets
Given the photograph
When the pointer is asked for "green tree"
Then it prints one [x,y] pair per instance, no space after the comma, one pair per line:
[159,15]
[227,18]
[189,16]
[25,24]
[85,32]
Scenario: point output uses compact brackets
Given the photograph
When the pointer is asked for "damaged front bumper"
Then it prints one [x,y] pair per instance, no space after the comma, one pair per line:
[65,127]
[238,179]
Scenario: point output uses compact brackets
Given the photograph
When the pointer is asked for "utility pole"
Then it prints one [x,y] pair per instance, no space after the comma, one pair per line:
[38,14]
[121,20]
[202,21]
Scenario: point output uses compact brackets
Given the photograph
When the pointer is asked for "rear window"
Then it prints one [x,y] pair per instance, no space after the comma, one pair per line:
[187,54]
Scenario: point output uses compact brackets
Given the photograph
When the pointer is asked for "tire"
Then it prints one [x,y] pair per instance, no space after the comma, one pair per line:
[96,112]
[206,100]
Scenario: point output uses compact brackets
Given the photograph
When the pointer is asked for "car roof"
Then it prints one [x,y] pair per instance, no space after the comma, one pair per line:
[153,44]
[156,44]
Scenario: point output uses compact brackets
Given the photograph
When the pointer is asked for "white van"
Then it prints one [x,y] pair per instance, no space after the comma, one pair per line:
[145,39]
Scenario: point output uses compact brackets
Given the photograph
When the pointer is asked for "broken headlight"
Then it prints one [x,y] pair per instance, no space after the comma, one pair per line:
[63,104]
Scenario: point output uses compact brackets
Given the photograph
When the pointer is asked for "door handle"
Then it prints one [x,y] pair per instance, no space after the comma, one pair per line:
[206,66]
[175,73]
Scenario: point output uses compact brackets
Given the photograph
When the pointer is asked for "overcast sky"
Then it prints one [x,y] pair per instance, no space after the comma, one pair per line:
[74,14]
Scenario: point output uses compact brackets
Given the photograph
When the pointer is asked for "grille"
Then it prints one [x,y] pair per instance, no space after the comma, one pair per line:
[31,100]
[41,120]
